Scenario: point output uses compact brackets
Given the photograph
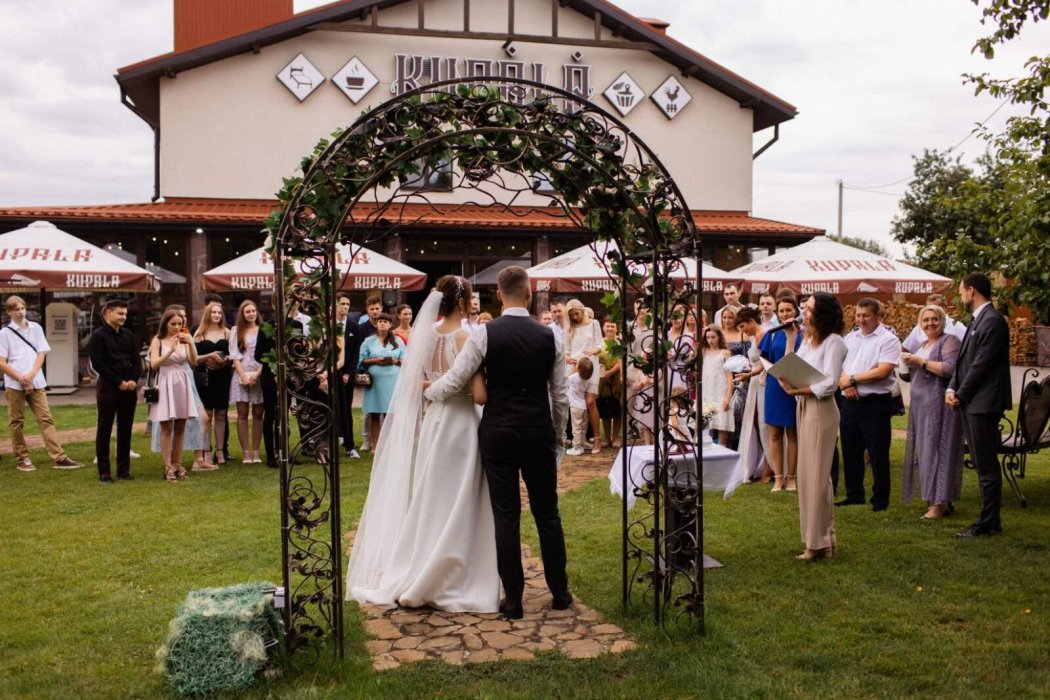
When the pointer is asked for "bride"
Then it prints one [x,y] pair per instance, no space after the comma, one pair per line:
[426,536]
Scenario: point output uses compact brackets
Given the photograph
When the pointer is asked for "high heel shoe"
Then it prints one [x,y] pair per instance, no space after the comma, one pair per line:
[817,554]
[180,472]
[791,485]
[778,484]
[169,474]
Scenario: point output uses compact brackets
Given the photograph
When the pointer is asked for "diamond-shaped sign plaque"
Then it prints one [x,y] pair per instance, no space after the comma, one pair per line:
[355,80]
[671,97]
[301,77]
[624,94]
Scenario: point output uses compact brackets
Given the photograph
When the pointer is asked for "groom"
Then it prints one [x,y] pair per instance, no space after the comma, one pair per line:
[525,376]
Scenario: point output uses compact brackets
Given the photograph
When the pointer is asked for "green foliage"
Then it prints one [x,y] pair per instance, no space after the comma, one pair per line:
[868,244]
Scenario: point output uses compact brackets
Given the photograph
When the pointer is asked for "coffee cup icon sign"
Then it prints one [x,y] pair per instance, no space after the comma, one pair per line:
[355,82]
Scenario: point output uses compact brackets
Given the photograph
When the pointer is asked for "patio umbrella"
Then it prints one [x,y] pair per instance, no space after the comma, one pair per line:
[41,256]
[363,269]
[824,265]
[583,270]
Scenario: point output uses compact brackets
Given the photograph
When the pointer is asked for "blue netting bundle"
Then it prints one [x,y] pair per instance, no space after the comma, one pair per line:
[221,639]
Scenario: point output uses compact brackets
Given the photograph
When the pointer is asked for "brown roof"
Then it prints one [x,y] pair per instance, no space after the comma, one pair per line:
[140,81]
[252,212]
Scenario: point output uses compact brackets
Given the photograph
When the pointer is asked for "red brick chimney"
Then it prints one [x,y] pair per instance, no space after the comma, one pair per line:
[200,22]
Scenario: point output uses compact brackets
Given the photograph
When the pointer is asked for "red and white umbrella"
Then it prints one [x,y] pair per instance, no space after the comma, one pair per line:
[362,269]
[42,256]
[824,265]
[583,270]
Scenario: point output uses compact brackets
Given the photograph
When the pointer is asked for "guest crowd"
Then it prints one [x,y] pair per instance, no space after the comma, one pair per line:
[788,433]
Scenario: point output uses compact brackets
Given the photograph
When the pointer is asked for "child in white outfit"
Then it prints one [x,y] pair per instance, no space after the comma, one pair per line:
[578,384]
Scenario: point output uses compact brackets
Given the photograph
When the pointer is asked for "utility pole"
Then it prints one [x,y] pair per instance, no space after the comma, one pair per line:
[839,183]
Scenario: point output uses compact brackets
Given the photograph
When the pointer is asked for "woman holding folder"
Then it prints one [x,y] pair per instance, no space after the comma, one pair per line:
[818,419]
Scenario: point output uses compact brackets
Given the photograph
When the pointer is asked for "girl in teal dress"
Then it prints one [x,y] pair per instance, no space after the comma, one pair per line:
[381,356]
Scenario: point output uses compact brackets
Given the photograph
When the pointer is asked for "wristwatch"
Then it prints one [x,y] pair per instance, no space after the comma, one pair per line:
[924,363]
[853,380]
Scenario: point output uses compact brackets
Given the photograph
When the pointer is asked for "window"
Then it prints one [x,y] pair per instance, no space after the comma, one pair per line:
[430,178]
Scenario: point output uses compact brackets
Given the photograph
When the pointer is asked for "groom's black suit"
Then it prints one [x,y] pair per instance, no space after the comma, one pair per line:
[526,384]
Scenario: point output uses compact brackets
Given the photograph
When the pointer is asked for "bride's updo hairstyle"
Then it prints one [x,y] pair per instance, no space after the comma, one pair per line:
[453,288]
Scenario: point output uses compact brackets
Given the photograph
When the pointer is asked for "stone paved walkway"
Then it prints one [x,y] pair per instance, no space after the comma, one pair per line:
[402,635]
[65,437]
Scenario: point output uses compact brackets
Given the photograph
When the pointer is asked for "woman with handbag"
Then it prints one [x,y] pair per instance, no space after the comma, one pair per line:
[171,354]
[933,451]
[245,389]
[381,356]
[213,371]
[610,388]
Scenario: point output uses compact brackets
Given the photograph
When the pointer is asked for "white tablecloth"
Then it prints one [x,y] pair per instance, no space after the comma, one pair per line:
[723,469]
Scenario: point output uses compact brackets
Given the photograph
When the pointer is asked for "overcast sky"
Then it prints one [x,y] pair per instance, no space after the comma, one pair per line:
[875,82]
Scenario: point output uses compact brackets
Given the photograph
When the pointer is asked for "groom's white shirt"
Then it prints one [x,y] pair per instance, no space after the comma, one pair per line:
[473,354]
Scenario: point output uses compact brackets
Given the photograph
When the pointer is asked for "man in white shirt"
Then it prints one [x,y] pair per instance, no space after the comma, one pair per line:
[731,293]
[22,350]
[558,322]
[872,354]
[470,321]
[917,337]
[767,307]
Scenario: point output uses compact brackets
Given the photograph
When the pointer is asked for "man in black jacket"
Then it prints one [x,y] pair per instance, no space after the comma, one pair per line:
[115,356]
[353,335]
[980,389]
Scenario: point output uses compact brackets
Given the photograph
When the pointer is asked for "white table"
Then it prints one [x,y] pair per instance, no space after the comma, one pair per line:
[723,469]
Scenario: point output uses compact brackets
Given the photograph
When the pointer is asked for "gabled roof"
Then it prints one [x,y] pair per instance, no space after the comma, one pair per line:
[141,81]
[252,212]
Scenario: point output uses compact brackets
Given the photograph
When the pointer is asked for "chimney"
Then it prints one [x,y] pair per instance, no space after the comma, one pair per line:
[200,22]
[657,25]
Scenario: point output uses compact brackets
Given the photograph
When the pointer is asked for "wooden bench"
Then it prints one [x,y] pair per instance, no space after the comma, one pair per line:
[1029,434]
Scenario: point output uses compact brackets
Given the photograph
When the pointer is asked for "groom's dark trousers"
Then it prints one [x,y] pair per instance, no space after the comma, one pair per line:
[506,450]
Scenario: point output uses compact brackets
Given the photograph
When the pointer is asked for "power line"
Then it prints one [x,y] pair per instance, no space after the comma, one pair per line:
[909,178]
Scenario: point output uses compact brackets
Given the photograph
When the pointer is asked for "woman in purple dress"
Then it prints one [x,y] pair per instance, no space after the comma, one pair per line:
[934,447]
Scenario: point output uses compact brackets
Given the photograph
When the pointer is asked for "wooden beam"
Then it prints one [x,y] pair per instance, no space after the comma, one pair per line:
[510,16]
[375,15]
[422,14]
[466,15]
[554,18]
[494,36]
[597,25]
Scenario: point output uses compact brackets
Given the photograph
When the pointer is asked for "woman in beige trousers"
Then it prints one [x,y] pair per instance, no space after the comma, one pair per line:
[818,424]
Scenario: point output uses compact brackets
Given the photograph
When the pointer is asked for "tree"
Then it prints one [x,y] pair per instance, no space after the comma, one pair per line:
[868,244]
[996,219]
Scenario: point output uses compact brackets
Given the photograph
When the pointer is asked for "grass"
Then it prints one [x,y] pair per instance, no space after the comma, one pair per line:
[94,573]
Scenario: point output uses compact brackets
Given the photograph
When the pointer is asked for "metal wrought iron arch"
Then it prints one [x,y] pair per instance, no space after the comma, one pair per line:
[487,126]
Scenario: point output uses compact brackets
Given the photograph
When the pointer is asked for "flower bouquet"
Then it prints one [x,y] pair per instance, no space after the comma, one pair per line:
[708,410]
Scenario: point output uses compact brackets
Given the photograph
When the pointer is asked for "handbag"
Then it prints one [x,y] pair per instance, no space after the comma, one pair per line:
[151,394]
[363,379]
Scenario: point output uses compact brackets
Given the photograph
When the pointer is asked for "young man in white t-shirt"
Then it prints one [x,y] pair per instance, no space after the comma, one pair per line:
[22,350]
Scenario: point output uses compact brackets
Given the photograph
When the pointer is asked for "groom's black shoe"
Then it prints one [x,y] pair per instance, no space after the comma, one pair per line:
[509,611]
[562,602]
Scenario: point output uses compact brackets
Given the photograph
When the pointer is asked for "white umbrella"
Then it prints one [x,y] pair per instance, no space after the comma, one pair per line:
[824,265]
[42,256]
[584,270]
[362,269]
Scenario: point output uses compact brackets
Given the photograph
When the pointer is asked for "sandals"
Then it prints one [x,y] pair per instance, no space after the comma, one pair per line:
[778,484]
[791,485]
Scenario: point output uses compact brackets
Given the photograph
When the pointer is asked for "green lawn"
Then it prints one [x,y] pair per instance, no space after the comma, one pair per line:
[94,573]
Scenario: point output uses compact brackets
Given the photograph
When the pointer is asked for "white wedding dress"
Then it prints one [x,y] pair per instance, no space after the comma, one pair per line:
[432,543]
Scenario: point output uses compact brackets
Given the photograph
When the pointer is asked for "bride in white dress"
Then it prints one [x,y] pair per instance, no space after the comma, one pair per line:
[426,536]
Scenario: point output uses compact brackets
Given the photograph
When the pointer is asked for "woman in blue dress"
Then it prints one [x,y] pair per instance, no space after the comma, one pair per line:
[780,408]
[381,356]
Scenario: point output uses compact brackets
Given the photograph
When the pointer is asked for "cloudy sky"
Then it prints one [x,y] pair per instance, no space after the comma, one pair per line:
[875,82]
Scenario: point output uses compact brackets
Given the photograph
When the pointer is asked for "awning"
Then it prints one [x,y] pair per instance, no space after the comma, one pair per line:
[824,265]
[361,270]
[584,270]
[41,256]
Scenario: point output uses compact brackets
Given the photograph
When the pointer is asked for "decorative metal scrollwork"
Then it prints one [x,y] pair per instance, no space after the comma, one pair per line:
[375,179]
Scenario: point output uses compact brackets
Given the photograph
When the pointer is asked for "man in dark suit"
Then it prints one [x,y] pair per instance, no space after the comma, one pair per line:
[268,383]
[525,378]
[980,389]
[353,335]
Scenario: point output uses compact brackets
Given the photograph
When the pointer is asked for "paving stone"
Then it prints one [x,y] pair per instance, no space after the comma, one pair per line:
[408,655]
[607,629]
[500,640]
[443,643]
[473,642]
[420,628]
[467,619]
[582,630]
[518,653]
[454,658]
[589,616]
[567,637]
[463,631]
[622,645]
[438,620]
[494,626]
[582,649]
[409,642]
[377,646]
[385,662]
[550,630]
[483,656]
[382,629]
